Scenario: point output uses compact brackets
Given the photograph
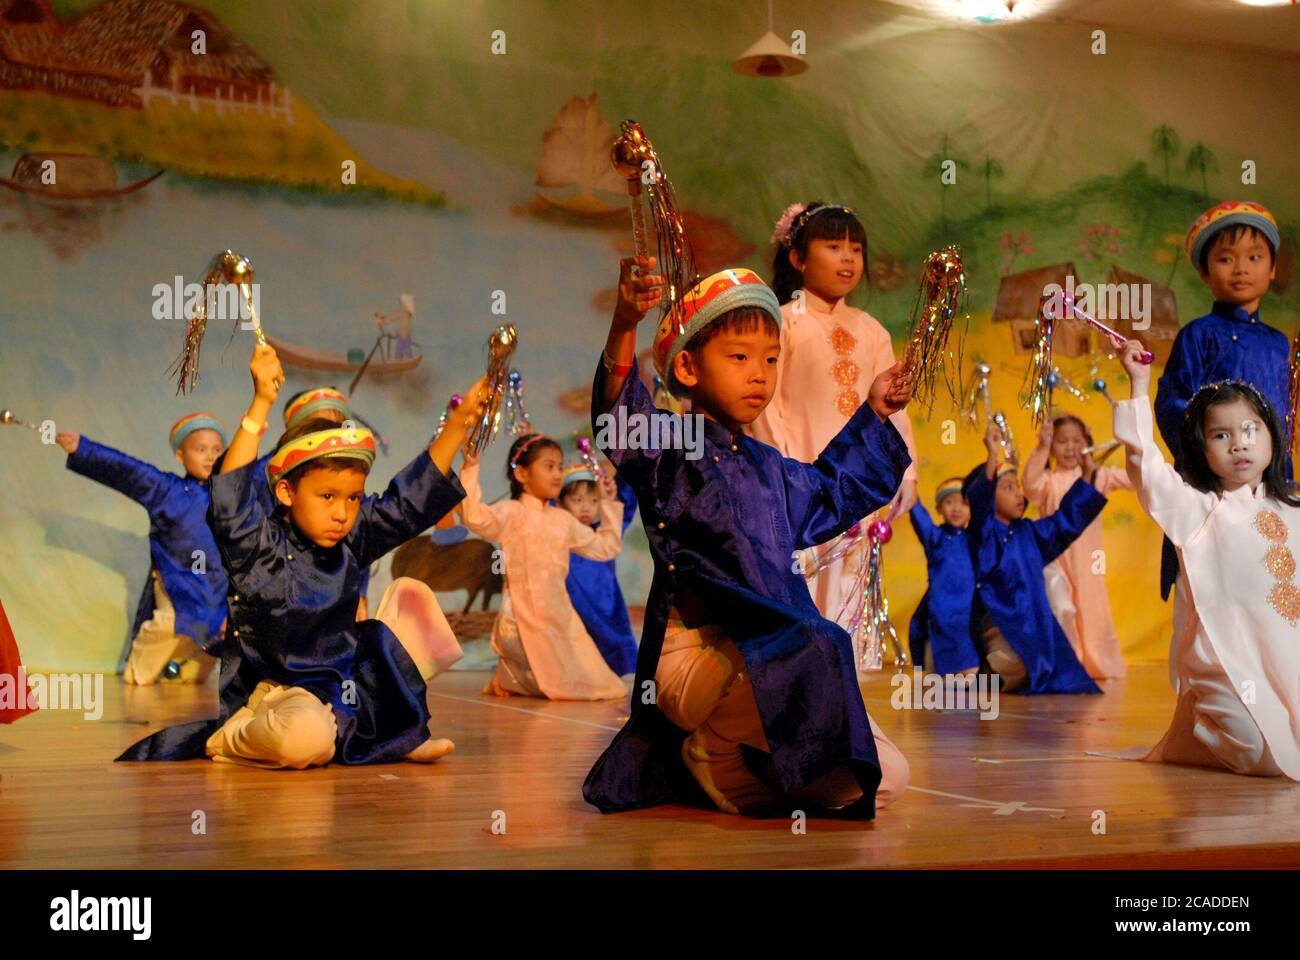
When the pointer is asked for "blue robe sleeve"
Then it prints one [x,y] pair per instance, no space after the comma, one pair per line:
[979,495]
[1183,375]
[240,524]
[142,482]
[926,529]
[636,466]
[857,473]
[417,497]
[628,496]
[1079,507]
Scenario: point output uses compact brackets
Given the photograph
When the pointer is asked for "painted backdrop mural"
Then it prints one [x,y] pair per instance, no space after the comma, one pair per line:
[405,176]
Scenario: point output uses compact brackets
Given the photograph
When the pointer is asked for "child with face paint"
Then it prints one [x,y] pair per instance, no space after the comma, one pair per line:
[1234,518]
[1076,584]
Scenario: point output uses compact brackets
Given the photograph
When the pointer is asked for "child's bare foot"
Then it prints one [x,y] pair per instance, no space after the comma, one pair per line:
[431,750]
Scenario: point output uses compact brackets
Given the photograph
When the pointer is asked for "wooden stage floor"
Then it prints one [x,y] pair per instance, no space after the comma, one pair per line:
[1017,791]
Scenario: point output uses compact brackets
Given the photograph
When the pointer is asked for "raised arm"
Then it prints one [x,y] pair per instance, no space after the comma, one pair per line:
[142,482]
[442,449]
[1177,508]
[268,376]
[1034,477]
[485,519]
[416,498]
[1079,507]
[638,291]
[605,541]
[926,529]
[857,473]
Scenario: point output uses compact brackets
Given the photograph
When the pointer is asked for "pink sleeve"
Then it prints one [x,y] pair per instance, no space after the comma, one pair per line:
[1110,479]
[1037,485]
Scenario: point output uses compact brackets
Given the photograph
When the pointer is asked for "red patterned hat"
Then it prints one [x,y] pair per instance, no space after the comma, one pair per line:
[1234,212]
[352,442]
[701,305]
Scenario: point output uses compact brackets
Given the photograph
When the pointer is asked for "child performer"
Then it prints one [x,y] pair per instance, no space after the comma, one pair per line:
[1050,471]
[545,651]
[1233,247]
[302,682]
[593,584]
[745,696]
[1234,518]
[1021,640]
[830,355]
[940,631]
[325,403]
[179,619]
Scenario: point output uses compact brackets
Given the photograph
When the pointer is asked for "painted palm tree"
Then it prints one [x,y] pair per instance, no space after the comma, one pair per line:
[935,164]
[1200,159]
[1165,142]
[992,168]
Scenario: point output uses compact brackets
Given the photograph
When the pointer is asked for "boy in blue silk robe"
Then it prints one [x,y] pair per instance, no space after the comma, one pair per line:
[940,631]
[1233,246]
[302,681]
[746,698]
[178,622]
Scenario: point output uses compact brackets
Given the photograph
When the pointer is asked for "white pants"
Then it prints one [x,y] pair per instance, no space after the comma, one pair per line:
[701,686]
[289,727]
[157,644]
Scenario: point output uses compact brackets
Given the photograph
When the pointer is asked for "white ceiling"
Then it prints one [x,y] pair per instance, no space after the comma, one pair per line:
[1210,21]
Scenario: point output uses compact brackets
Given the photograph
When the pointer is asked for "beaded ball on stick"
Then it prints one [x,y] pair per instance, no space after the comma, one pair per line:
[516,416]
[8,419]
[589,458]
[938,302]
[455,401]
[635,159]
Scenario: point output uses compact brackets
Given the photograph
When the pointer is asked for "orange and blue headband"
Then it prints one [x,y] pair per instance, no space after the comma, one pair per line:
[187,424]
[353,442]
[312,402]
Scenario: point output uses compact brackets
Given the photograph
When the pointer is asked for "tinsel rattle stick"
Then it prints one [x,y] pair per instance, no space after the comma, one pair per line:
[1073,309]
[938,301]
[634,158]
[228,268]
[8,419]
[501,346]
[1294,412]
